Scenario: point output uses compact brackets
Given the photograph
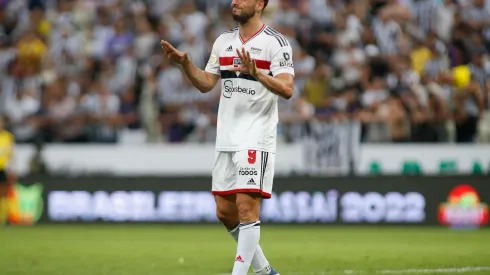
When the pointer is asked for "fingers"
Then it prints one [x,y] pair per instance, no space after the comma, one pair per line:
[168,47]
[245,57]
[239,54]
[185,56]
[244,53]
[249,57]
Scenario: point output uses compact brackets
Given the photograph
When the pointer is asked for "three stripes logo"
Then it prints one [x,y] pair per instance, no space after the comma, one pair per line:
[229,49]
[251,182]
[279,37]
[239,259]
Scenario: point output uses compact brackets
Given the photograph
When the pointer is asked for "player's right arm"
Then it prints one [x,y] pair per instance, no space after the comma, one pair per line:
[204,81]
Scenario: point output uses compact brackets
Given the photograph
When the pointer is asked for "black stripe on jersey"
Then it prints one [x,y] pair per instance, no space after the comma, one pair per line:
[229,74]
[225,74]
[278,36]
[262,157]
[265,157]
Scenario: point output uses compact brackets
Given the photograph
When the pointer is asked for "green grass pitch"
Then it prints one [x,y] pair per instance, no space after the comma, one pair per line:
[209,250]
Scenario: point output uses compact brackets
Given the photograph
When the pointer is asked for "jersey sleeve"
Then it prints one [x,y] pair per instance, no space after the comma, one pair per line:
[282,58]
[213,62]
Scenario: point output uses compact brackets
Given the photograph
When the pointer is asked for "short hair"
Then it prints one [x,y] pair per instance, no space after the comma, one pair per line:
[266,2]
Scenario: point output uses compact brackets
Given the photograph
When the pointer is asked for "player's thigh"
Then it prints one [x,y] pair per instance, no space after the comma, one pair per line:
[223,174]
[226,206]
[255,170]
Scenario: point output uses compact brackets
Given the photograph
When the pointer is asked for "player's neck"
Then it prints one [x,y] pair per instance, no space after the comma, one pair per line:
[250,28]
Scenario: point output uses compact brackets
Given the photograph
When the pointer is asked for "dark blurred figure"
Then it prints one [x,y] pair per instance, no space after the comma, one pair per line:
[467,109]
[101,109]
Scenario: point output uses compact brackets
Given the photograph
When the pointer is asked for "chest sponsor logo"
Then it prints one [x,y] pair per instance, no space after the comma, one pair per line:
[255,50]
[229,89]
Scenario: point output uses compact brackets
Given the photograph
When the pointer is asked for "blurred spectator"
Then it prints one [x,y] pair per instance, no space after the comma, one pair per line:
[30,52]
[19,109]
[102,111]
[121,41]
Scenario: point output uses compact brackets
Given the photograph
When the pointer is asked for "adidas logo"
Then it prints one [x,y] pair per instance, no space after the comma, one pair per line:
[230,48]
[251,182]
[239,259]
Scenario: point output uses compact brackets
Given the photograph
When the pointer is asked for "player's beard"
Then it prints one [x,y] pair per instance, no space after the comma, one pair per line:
[244,16]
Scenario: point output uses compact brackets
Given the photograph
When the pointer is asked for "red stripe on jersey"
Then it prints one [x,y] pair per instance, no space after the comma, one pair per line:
[265,195]
[228,61]
[254,35]
[263,64]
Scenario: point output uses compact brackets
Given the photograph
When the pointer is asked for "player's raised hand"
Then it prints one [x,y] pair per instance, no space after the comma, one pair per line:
[248,65]
[173,54]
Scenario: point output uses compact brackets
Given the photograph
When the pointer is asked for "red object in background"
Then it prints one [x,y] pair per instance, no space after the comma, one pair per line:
[463,208]
[13,217]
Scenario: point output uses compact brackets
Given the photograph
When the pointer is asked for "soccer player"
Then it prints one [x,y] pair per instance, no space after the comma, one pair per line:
[6,149]
[255,65]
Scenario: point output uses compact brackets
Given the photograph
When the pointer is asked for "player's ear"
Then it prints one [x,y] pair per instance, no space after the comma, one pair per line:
[263,4]
[259,5]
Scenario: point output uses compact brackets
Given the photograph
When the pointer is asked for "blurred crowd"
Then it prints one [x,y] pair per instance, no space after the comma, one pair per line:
[93,70]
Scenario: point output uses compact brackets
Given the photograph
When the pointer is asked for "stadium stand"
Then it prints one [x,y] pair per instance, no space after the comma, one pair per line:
[79,71]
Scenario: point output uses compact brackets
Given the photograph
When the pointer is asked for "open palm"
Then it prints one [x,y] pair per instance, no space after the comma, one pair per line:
[247,65]
[174,54]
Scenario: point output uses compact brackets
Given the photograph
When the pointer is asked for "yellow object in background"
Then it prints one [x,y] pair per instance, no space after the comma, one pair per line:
[31,50]
[461,76]
[44,28]
[3,210]
[419,57]
[6,147]
[315,91]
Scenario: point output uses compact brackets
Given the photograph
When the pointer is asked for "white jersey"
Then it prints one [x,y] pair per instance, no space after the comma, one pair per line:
[248,112]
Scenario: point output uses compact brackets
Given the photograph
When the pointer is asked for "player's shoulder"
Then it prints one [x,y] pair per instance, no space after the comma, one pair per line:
[225,37]
[277,40]
[228,34]
[234,30]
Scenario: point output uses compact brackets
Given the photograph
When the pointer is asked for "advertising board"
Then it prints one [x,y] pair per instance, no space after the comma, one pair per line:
[327,153]
[298,200]
[424,159]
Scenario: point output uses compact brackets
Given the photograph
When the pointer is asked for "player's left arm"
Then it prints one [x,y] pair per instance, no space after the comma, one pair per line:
[282,69]
[281,84]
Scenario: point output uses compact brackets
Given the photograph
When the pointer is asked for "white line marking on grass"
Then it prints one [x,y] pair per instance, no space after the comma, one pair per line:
[467,269]
[436,270]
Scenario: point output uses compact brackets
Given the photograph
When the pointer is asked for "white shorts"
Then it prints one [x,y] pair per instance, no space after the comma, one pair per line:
[247,171]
